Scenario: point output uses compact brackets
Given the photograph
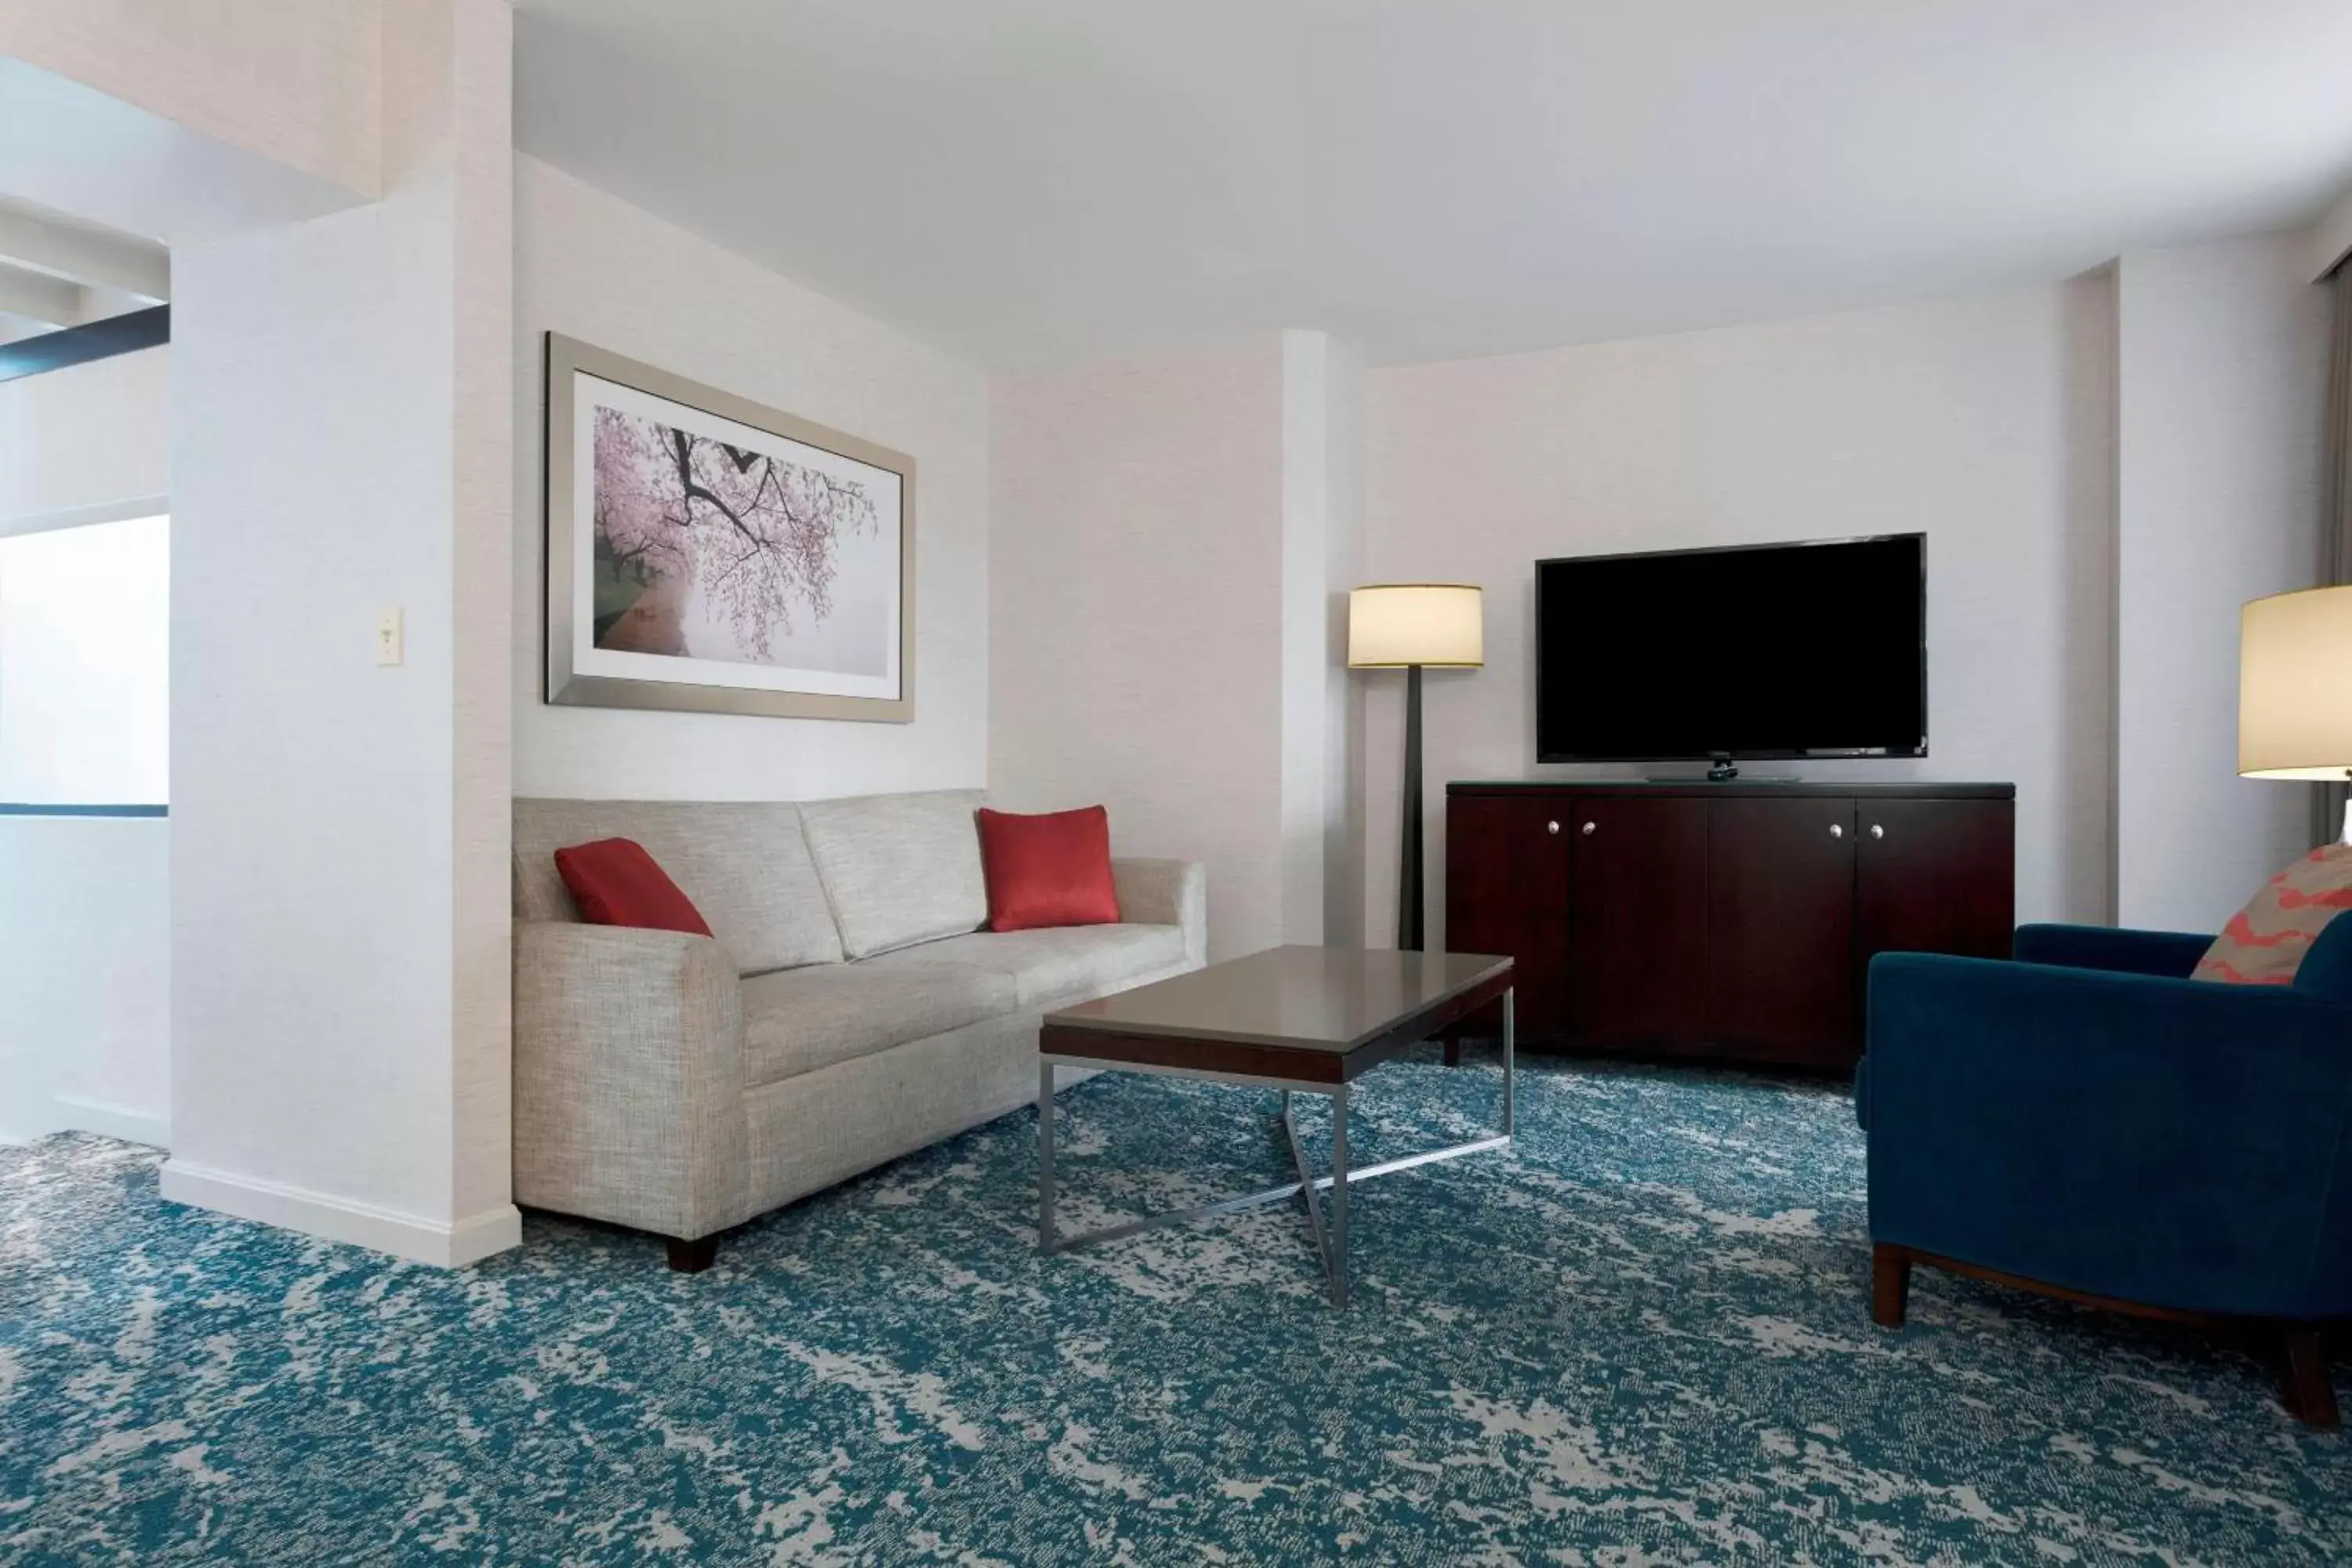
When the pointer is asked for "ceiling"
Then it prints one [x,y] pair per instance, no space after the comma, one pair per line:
[1033,181]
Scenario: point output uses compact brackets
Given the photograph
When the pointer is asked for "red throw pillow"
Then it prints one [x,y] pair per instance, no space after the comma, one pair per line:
[1047,870]
[616,883]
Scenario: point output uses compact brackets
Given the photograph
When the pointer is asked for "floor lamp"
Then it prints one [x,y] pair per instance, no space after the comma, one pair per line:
[2294,689]
[1410,626]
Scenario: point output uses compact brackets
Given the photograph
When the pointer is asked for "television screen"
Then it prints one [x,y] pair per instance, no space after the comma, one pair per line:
[1777,651]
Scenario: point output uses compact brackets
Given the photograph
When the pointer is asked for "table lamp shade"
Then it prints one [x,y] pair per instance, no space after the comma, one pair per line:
[2294,685]
[1393,625]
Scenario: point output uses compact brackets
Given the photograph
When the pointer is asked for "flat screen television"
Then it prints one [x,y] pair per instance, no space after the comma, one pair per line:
[1757,651]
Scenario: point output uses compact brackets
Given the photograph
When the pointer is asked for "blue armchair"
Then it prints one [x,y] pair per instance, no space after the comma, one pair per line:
[2087,1121]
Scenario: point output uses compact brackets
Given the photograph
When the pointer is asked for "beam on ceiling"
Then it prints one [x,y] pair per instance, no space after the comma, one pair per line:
[38,297]
[79,256]
[79,345]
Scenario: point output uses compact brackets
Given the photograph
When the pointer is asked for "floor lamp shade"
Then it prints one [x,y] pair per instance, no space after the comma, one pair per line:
[1395,626]
[2294,685]
[1407,626]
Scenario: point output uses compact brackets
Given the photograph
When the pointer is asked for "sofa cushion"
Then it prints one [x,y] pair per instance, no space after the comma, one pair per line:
[745,865]
[799,1020]
[2265,943]
[1050,967]
[899,868]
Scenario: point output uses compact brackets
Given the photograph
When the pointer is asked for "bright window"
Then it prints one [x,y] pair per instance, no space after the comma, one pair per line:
[85,665]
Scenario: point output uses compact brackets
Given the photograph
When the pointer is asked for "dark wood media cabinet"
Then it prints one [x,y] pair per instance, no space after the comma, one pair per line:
[1733,922]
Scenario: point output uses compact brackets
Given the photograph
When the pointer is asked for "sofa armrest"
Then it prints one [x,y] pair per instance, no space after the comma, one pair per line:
[628,1078]
[1166,893]
[2170,954]
[2167,1141]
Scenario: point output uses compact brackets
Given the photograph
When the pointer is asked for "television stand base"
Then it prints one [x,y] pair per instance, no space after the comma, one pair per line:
[1722,770]
[1727,774]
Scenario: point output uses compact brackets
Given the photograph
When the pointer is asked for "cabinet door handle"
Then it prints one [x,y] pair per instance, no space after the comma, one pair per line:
[1552,827]
[1876,831]
[1837,830]
[1589,827]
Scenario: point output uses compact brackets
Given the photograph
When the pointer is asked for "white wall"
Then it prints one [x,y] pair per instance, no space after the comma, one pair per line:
[1136,586]
[593,268]
[85,904]
[1321,523]
[85,991]
[84,667]
[1982,420]
[87,441]
[2223,368]
[343,444]
[1344,458]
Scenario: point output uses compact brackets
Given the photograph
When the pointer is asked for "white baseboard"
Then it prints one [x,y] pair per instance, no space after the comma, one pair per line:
[445,1244]
[82,1114]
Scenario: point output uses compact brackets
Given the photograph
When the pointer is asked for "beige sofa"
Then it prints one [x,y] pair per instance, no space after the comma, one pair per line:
[845,1011]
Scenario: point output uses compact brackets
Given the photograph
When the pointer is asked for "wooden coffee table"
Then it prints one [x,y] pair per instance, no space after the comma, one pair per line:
[1308,1020]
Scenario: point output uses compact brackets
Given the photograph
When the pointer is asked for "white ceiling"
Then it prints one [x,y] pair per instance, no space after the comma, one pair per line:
[1025,181]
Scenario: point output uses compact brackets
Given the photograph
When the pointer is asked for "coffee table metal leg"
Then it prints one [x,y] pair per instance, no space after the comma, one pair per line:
[1046,1157]
[1509,1041]
[1339,1196]
[1306,1190]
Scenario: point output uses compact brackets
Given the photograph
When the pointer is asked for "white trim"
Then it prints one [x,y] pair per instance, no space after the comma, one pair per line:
[443,1243]
[80,1113]
[121,511]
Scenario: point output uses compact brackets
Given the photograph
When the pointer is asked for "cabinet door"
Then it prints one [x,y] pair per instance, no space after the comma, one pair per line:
[1937,876]
[1637,937]
[1507,892]
[1780,913]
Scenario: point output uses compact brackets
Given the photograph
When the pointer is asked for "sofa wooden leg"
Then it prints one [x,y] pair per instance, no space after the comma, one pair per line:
[1453,1051]
[1890,1285]
[2310,1393]
[692,1257]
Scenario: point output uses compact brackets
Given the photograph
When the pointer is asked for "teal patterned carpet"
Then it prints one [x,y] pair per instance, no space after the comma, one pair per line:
[1640,1338]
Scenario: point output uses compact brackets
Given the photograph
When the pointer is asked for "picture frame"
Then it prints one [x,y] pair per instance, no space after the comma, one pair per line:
[707,553]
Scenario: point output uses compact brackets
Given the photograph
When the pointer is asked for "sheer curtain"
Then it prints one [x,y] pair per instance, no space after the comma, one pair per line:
[2335,517]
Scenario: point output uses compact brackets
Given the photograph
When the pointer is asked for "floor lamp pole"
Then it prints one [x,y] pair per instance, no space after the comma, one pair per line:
[1408,857]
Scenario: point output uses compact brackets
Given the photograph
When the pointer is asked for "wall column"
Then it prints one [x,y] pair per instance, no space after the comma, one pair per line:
[343,447]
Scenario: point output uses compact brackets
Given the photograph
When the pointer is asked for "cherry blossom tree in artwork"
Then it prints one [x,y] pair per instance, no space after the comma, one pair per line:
[677,513]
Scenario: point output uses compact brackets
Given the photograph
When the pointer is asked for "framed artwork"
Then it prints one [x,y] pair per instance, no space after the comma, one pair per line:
[707,553]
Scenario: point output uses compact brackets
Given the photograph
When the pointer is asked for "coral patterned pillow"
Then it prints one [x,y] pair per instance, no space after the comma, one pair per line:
[2265,943]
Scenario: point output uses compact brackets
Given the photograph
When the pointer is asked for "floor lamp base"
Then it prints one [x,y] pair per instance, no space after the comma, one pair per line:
[1409,850]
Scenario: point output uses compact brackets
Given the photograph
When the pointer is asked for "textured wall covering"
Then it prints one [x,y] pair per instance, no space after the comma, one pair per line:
[594,268]
[296,84]
[1136,579]
[2222,398]
[1640,1337]
[1981,420]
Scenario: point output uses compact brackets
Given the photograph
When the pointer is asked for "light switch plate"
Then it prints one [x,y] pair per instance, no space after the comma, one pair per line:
[388,641]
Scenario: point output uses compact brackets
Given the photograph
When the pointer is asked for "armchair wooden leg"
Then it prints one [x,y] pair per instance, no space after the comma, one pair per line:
[1890,1285]
[692,1257]
[1453,1051]
[2310,1393]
